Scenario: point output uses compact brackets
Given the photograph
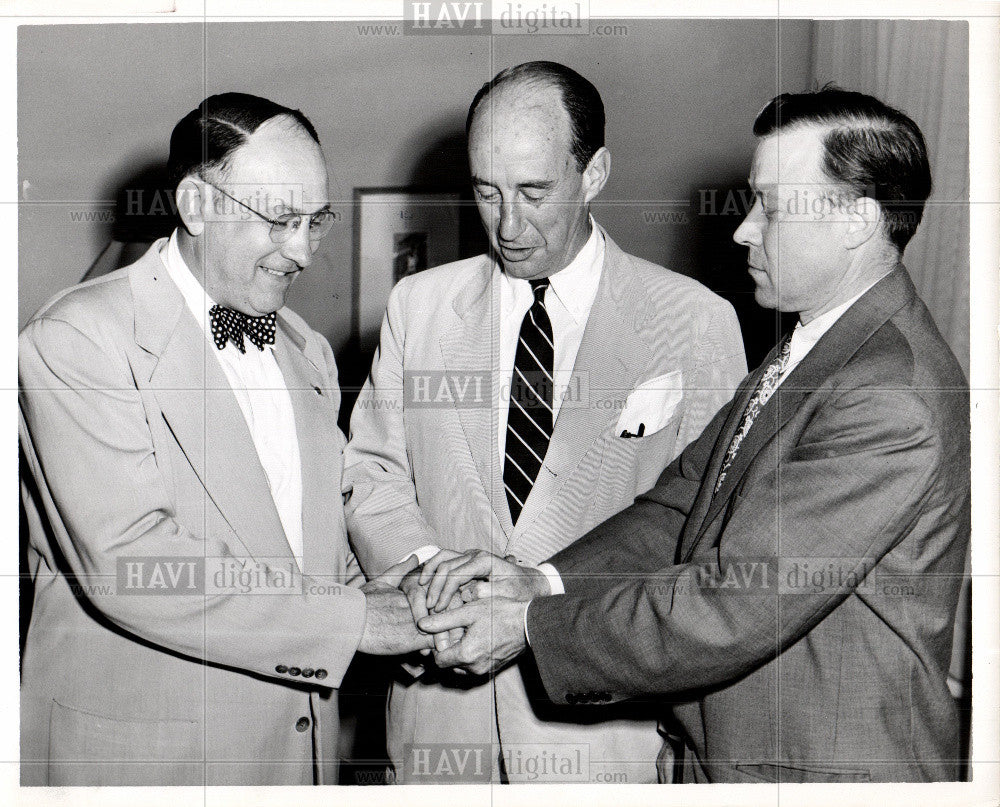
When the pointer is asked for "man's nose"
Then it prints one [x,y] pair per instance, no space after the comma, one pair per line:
[511,222]
[748,233]
[299,248]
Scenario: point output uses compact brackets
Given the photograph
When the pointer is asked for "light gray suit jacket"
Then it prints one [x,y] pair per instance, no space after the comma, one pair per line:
[135,452]
[425,470]
[801,618]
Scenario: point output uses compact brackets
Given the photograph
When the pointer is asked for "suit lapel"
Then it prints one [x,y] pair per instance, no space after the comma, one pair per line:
[830,354]
[470,348]
[201,411]
[320,446]
[610,359]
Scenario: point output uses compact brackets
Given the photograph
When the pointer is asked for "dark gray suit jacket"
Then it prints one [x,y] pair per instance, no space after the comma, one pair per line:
[801,619]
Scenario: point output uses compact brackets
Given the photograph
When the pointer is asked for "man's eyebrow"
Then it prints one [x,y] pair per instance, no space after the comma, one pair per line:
[294,211]
[535,184]
[538,184]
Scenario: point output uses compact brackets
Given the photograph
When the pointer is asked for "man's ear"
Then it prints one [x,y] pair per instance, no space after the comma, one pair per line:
[192,205]
[864,220]
[596,174]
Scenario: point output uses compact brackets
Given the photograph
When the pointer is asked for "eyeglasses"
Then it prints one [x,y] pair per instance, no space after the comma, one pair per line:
[285,226]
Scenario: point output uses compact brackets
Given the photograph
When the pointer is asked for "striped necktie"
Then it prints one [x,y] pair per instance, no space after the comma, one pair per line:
[761,395]
[529,420]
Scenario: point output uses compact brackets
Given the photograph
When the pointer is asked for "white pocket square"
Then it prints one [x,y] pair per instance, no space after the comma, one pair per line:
[650,406]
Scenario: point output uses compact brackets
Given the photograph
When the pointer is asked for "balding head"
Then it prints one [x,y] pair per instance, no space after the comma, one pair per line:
[578,97]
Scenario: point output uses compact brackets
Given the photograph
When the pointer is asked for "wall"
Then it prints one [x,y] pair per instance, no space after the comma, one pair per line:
[97,103]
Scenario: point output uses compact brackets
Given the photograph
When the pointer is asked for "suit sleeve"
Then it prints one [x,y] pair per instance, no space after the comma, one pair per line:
[383,518]
[719,366]
[86,440]
[847,496]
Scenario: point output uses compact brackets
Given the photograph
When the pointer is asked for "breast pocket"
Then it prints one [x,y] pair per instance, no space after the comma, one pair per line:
[628,466]
[651,406]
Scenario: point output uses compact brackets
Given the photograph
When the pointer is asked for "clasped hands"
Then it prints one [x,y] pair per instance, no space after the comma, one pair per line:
[465,608]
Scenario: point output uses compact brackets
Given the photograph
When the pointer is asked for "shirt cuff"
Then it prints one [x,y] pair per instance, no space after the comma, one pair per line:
[424,554]
[526,637]
[555,581]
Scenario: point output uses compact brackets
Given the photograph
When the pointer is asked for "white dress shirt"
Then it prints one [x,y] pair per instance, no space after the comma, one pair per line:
[568,301]
[805,337]
[262,394]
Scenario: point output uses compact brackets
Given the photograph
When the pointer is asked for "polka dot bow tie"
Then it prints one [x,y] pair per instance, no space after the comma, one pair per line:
[229,325]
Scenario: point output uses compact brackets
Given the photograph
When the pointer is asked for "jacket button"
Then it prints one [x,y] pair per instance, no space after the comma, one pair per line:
[302,724]
[294,671]
[281,668]
[307,672]
[320,674]
[572,698]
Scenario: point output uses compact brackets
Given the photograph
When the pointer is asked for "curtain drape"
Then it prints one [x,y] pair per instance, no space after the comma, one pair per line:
[922,68]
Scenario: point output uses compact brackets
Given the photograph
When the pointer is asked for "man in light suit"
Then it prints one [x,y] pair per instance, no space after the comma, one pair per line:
[193,610]
[790,582]
[637,361]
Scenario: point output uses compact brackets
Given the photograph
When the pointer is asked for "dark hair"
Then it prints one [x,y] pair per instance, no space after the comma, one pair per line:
[873,149]
[580,99]
[207,136]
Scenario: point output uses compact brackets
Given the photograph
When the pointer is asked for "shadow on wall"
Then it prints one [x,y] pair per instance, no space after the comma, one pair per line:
[440,164]
[719,205]
[145,210]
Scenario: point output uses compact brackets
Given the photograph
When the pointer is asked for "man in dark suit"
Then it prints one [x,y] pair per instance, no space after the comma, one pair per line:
[790,582]
[196,601]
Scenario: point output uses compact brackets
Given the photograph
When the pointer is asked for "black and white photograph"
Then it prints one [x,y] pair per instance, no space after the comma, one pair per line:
[559,399]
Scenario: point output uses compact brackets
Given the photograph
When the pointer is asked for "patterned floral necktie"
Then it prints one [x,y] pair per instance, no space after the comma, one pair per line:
[230,326]
[765,389]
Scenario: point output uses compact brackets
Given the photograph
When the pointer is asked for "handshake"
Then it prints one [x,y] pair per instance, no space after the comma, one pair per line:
[467,609]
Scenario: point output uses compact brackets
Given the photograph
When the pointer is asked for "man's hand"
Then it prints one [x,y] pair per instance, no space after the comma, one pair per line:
[417,596]
[494,634]
[479,574]
[389,624]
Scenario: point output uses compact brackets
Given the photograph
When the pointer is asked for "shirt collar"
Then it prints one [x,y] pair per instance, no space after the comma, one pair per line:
[197,299]
[576,285]
[805,336]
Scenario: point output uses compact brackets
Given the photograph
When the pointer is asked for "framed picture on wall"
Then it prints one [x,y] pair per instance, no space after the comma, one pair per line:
[397,232]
